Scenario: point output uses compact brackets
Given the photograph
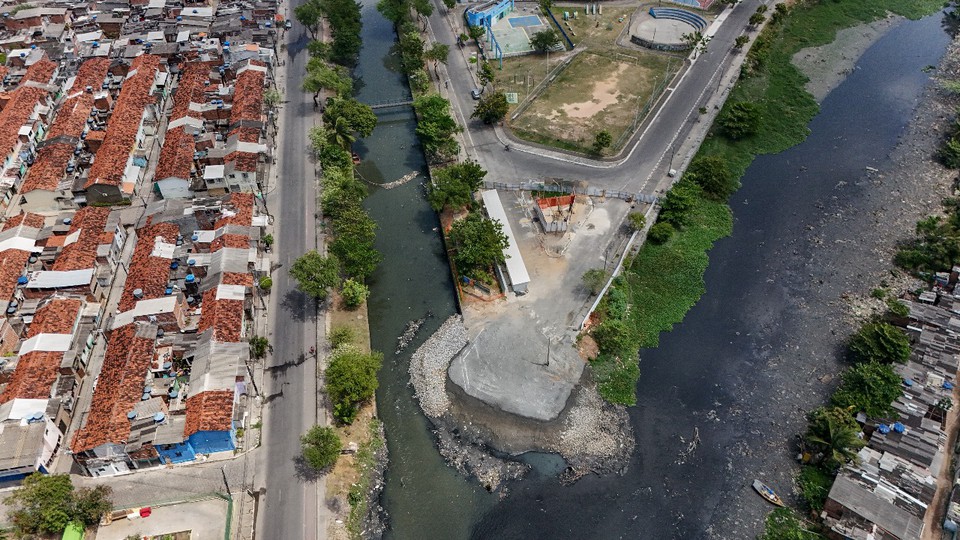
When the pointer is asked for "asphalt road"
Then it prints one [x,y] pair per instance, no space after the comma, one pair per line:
[292,504]
[645,169]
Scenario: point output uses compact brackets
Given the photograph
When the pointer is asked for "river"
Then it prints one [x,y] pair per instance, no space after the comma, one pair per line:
[721,397]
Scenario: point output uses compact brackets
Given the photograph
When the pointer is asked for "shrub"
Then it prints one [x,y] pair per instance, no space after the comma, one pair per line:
[259,346]
[265,283]
[351,380]
[341,335]
[612,336]
[713,175]
[676,205]
[594,280]
[880,342]
[740,120]
[870,387]
[660,232]
[637,221]
[321,447]
[814,484]
[354,293]
[949,153]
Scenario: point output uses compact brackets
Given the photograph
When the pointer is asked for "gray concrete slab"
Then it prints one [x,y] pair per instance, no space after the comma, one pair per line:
[205,519]
[522,357]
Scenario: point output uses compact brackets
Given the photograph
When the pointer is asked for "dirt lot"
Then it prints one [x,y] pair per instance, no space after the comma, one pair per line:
[577,104]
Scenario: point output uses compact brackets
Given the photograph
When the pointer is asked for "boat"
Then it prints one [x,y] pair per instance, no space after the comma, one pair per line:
[356,158]
[767,493]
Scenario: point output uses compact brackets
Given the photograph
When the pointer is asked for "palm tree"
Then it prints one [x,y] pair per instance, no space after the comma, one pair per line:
[836,435]
[341,134]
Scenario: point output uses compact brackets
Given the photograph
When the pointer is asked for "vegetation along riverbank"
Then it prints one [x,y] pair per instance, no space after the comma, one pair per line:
[767,112]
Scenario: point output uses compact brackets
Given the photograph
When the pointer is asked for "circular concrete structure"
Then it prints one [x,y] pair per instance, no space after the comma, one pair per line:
[663,29]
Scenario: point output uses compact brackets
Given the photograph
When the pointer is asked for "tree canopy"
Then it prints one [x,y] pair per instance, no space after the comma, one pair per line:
[740,119]
[44,504]
[491,108]
[545,40]
[359,117]
[602,141]
[713,174]
[834,433]
[353,245]
[437,53]
[880,342]
[478,243]
[454,186]
[321,76]
[320,447]
[315,274]
[351,380]
[870,387]
[436,128]
[676,205]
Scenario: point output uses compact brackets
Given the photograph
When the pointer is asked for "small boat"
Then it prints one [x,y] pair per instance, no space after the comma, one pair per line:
[767,493]
[356,158]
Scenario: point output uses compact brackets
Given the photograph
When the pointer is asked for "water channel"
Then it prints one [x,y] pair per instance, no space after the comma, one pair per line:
[715,379]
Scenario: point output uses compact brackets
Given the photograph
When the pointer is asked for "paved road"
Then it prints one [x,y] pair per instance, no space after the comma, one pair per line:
[292,504]
[645,168]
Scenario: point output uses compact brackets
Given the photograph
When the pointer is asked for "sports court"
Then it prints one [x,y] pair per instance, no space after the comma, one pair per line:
[514,30]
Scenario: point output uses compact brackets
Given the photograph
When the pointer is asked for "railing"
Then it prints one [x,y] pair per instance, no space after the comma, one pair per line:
[579,189]
[391,104]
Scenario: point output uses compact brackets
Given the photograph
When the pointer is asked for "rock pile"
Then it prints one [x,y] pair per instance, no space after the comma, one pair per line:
[597,436]
[428,366]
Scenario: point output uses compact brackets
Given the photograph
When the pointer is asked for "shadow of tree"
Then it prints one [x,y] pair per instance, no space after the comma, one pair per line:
[305,473]
[299,306]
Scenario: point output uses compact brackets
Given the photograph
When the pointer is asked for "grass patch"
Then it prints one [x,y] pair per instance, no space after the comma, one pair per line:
[366,461]
[665,281]
[814,484]
[784,523]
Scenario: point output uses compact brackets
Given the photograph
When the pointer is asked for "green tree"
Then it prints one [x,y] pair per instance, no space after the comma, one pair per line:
[636,221]
[713,174]
[44,504]
[676,205]
[485,74]
[258,347]
[454,186]
[450,4]
[949,153]
[476,32]
[756,20]
[272,98]
[354,293]
[340,133]
[392,10]
[814,484]
[319,49]
[355,233]
[322,77]
[315,273]
[309,14]
[351,380]
[660,232]
[359,117]
[491,108]
[835,435]
[438,53]
[602,141]
[880,342]
[411,51]
[545,5]
[740,119]
[870,387]
[545,40]
[613,337]
[594,280]
[436,127]
[741,42]
[424,8]
[320,447]
[478,243]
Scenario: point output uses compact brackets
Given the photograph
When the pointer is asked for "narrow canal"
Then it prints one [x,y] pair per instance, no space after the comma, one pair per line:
[711,397]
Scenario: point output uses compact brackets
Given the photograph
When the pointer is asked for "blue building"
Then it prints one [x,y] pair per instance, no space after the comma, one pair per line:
[488,13]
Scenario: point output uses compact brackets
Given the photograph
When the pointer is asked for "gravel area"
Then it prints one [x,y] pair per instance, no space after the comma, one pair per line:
[429,364]
[597,436]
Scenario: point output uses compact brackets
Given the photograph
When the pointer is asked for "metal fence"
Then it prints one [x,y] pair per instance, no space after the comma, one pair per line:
[578,189]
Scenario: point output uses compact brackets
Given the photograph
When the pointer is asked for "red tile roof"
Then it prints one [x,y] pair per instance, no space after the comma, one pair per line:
[16,114]
[224,316]
[247,134]
[49,168]
[111,159]
[71,119]
[28,219]
[242,205]
[12,264]
[41,71]
[91,222]
[209,411]
[243,161]
[247,97]
[231,241]
[176,156]
[190,89]
[120,386]
[37,371]
[234,278]
[148,273]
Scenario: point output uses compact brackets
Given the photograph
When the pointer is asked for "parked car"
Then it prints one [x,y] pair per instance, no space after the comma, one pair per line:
[288,25]
[475,93]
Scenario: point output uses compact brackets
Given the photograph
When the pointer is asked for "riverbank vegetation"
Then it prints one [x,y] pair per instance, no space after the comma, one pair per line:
[343,17]
[665,279]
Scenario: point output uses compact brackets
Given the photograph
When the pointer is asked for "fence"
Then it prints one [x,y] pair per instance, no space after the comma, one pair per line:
[555,186]
[642,113]
[562,31]
[538,89]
